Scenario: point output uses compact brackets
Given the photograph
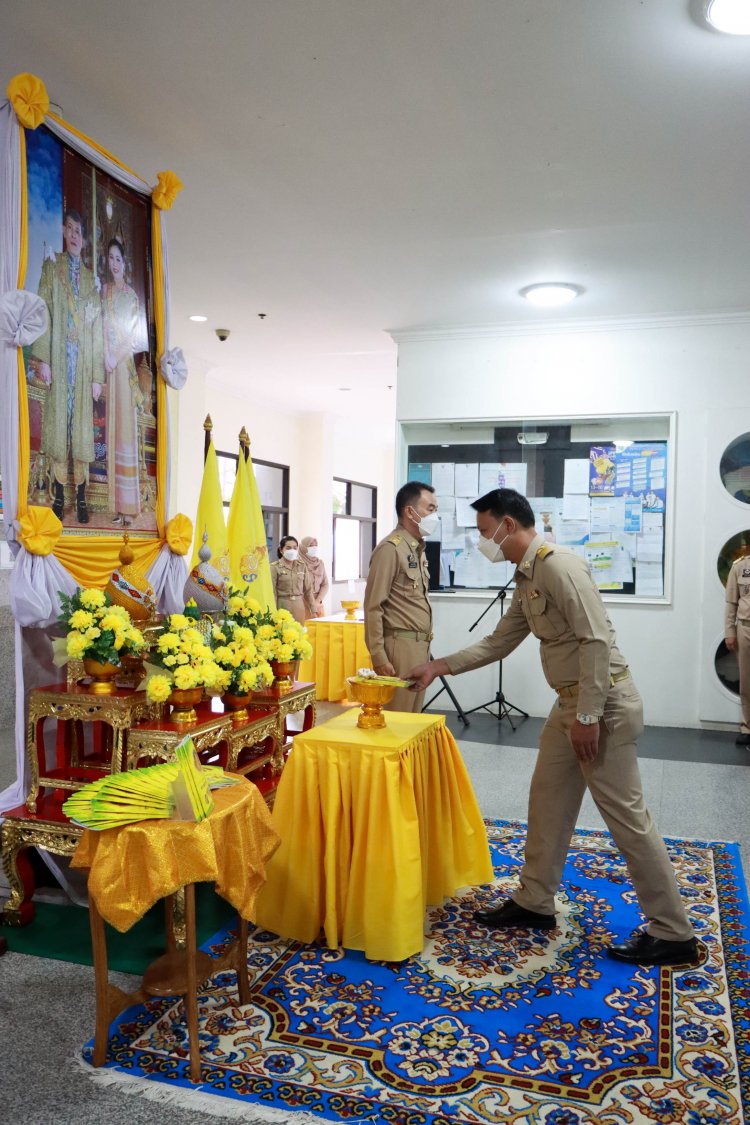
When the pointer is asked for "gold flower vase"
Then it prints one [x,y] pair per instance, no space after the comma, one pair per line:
[102,676]
[284,675]
[237,704]
[373,697]
[351,610]
[183,702]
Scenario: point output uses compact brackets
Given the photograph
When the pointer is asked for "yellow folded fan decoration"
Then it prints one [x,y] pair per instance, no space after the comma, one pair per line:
[179,790]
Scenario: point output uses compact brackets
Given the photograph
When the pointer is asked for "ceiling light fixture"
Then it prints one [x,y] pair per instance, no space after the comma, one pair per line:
[345,388]
[198,319]
[551,294]
[730,16]
[532,437]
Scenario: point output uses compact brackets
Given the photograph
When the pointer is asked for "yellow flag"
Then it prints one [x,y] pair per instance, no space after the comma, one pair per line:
[248,551]
[210,517]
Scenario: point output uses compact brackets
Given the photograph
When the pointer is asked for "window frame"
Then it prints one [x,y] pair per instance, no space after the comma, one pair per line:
[365,548]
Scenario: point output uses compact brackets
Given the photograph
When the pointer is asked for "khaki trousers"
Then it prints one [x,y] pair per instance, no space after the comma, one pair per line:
[743,660]
[405,654]
[614,780]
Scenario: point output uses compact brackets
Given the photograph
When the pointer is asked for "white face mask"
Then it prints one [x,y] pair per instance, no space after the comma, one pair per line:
[490,549]
[291,554]
[428,525]
[312,552]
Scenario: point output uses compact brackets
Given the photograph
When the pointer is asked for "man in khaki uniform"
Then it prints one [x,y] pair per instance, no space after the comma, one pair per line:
[737,635]
[589,738]
[398,617]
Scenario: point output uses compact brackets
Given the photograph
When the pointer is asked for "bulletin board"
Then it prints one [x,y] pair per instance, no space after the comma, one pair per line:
[601,487]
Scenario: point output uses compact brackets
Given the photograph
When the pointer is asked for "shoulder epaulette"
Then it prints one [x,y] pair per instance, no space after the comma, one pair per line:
[395,539]
[544,550]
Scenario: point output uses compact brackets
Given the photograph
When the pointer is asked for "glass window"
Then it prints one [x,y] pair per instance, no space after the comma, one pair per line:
[354,514]
[273,488]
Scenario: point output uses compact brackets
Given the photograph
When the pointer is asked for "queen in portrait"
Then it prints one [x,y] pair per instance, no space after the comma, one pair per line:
[120,320]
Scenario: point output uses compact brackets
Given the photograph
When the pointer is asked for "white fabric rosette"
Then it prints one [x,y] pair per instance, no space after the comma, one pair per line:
[174,368]
[23,317]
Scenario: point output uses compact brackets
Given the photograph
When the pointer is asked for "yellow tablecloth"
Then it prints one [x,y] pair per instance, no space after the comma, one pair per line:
[374,826]
[134,866]
[339,650]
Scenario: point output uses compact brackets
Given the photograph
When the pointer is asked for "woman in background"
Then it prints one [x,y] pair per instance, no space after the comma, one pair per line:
[292,585]
[120,309]
[317,571]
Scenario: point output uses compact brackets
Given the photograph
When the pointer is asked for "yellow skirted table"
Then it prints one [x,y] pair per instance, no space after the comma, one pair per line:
[133,867]
[375,826]
[339,650]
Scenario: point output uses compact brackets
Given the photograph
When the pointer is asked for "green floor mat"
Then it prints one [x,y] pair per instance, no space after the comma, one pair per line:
[62,933]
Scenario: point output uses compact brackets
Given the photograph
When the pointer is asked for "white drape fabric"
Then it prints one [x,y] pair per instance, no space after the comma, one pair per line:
[23,317]
[174,369]
[34,586]
[10,247]
[168,576]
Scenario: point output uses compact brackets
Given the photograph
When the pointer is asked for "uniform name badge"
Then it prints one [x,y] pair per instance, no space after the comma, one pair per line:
[412,562]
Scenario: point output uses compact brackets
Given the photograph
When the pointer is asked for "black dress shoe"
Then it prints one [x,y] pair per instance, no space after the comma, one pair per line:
[742,740]
[82,512]
[509,916]
[58,505]
[643,949]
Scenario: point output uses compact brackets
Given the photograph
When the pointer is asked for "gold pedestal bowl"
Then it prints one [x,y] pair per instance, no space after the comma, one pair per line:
[351,608]
[372,696]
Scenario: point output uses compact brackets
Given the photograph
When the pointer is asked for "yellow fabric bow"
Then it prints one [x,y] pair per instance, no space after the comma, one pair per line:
[28,96]
[39,531]
[179,534]
[165,192]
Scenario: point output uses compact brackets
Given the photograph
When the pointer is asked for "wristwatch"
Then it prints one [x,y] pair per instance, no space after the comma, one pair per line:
[587,720]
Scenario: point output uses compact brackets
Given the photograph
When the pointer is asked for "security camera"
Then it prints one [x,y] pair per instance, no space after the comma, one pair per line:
[222,333]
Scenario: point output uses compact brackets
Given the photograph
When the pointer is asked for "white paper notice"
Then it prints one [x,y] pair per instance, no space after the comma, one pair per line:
[650,547]
[489,474]
[576,506]
[576,476]
[512,475]
[649,581]
[446,506]
[443,478]
[454,537]
[465,514]
[467,480]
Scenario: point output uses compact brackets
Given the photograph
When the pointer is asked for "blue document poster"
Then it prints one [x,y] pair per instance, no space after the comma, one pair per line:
[641,474]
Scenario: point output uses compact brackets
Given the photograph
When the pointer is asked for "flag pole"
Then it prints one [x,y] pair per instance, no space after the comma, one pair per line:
[207,428]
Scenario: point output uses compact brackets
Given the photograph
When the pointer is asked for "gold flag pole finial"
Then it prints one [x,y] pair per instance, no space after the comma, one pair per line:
[245,442]
[207,427]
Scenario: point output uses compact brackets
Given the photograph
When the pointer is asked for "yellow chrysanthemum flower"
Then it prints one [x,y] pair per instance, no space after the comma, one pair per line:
[185,677]
[218,635]
[158,688]
[80,619]
[77,645]
[168,642]
[93,633]
[92,599]
[113,622]
[178,622]
[170,661]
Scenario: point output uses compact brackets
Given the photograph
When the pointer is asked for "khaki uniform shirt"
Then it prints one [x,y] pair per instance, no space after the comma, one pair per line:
[292,584]
[396,591]
[556,600]
[737,596]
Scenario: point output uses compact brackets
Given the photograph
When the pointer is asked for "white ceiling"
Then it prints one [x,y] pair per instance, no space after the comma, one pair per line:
[358,166]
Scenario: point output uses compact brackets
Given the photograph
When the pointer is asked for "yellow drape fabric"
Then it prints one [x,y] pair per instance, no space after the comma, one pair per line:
[28,96]
[374,826]
[39,530]
[24,433]
[166,190]
[90,562]
[131,868]
[180,534]
[157,262]
[339,650]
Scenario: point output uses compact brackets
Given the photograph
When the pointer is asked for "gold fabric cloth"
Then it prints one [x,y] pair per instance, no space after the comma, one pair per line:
[135,866]
[339,650]
[375,825]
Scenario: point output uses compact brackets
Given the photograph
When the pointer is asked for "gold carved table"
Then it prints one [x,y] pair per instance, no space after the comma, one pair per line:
[72,705]
[48,828]
[300,697]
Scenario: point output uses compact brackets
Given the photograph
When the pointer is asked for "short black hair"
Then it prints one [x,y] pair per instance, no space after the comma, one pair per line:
[506,502]
[71,213]
[284,540]
[410,492]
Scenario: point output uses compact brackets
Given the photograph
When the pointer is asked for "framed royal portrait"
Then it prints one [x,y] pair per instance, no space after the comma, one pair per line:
[91,377]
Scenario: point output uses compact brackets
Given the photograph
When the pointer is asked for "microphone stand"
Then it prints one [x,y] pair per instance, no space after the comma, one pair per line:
[459,710]
[504,707]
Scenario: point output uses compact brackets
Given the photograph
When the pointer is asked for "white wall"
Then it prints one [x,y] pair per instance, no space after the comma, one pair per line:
[316,447]
[698,369]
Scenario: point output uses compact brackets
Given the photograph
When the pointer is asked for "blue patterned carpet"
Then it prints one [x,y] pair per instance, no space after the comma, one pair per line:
[482,1026]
